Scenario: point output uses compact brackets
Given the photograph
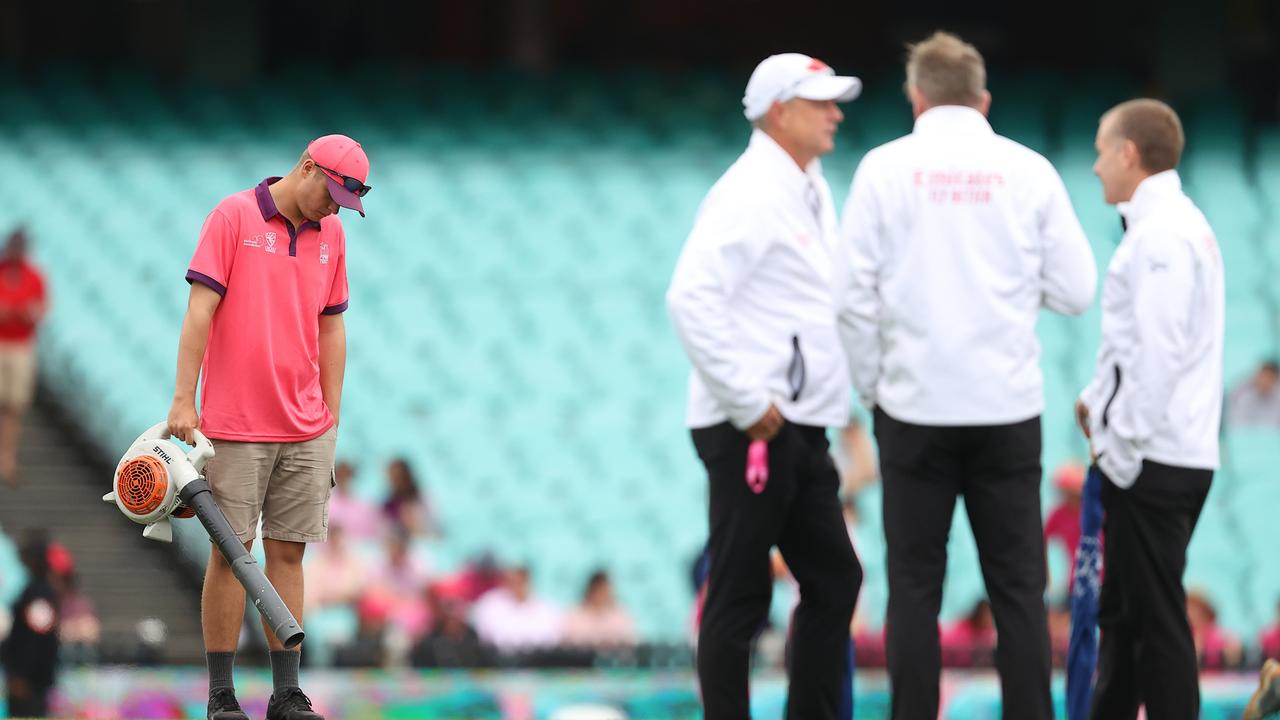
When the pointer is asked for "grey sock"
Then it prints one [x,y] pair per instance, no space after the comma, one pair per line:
[220,664]
[284,668]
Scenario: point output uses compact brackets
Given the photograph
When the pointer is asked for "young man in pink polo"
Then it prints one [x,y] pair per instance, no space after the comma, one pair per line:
[264,328]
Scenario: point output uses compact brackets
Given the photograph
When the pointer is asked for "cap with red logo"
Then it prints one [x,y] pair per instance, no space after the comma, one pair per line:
[780,78]
[345,167]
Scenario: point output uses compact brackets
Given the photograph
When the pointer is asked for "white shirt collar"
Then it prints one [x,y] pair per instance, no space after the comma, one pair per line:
[763,144]
[1149,193]
[952,118]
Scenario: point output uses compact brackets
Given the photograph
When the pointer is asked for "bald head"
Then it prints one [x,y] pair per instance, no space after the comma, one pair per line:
[1153,128]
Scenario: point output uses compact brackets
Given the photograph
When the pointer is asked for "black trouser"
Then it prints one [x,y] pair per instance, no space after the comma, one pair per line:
[798,511]
[1146,653]
[997,469]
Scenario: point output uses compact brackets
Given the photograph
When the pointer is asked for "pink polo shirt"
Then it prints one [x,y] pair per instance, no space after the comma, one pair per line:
[261,373]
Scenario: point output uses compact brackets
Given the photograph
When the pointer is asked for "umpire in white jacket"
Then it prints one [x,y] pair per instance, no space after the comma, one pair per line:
[954,238]
[752,303]
[1152,412]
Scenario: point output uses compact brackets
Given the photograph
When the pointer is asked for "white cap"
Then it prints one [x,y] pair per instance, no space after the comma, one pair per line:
[779,78]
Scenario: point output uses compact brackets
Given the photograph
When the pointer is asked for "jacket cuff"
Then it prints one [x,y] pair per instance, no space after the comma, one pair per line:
[1118,458]
[749,413]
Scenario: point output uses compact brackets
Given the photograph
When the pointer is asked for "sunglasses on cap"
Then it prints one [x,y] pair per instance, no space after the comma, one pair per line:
[352,185]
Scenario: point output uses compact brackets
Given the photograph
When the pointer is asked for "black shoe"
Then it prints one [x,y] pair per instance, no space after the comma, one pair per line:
[291,704]
[223,705]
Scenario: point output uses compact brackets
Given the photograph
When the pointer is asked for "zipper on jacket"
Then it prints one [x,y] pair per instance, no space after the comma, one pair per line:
[1106,409]
[795,372]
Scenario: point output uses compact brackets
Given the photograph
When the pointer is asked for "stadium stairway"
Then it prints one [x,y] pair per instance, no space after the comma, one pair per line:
[127,577]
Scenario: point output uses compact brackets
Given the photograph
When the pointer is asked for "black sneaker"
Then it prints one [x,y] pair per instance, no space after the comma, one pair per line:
[291,704]
[223,705]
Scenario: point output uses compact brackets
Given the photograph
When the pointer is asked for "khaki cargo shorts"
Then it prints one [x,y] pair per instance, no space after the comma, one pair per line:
[286,484]
[17,375]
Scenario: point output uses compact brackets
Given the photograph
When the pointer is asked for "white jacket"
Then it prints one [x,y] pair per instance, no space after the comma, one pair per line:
[953,238]
[751,296]
[1157,388]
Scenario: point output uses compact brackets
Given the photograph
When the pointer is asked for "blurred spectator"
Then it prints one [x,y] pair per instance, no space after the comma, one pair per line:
[400,581]
[1215,646]
[1060,630]
[511,618]
[152,634]
[479,577]
[368,647]
[61,562]
[355,515]
[1269,638]
[970,640]
[856,458]
[452,642]
[1063,523]
[868,643]
[30,654]
[335,574]
[81,631]
[599,621]
[1256,401]
[406,507]
[23,302]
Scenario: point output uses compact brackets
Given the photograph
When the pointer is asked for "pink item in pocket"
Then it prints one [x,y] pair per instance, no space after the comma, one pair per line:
[757,466]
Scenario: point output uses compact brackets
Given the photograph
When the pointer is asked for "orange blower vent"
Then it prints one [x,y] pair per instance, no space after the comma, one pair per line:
[142,484]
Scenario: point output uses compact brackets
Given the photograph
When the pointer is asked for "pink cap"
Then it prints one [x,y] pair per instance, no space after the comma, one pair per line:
[344,156]
[59,558]
[1069,478]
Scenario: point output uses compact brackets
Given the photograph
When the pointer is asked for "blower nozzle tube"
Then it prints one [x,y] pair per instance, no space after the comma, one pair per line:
[196,496]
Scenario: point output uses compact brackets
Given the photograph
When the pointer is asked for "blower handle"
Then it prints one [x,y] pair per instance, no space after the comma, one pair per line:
[199,454]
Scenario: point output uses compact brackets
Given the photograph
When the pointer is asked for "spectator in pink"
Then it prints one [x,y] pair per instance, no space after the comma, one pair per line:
[969,636]
[481,575]
[355,515]
[1216,647]
[511,617]
[406,507]
[79,631]
[1063,524]
[400,582]
[337,575]
[600,621]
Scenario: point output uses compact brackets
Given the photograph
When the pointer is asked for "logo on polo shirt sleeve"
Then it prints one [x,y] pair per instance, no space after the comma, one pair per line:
[324,253]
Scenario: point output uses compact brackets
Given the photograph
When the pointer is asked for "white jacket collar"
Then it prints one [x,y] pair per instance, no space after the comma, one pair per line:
[952,118]
[767,147]
[1149,194]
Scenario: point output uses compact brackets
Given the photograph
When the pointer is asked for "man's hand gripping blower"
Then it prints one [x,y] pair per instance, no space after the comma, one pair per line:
[156,480]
